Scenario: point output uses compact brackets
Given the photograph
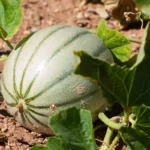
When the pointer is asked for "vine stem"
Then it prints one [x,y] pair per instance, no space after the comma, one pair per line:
[108,122]
[126,116]
[114,142]
[107,139]
[111,125]
[135,40]
[9,44]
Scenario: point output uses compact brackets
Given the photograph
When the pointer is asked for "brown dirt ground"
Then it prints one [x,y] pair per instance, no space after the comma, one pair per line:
[40,14]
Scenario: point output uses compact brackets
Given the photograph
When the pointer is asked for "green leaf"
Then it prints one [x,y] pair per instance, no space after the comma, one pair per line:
[110,77]
[143,6]
[54,143]
[142,121]
[39,148]
[145,46]
[10,16]
[135,139]
[74,127]
[116,42]
[129,86]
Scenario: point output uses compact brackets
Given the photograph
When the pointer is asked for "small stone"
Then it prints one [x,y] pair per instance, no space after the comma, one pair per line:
[86,16]
[7,147]
[34,29]
[50,22]
[102,13]
[133,35]
[45,4]
[84,23]
[40,140]
[5,128]
[26,32]
[80,15]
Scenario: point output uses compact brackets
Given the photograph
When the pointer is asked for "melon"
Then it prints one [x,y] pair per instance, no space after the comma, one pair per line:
[38,79]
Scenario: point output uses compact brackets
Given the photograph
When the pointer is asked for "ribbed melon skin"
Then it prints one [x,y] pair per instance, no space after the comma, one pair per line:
[40,74]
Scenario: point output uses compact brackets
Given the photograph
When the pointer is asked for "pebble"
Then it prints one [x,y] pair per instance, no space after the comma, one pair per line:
[26,32]
[86,16]
[7,147]
[84,23]
[99,11]
[102,13]
[50,22]
[80,15]
[5,128]
[33,29]
[45,3]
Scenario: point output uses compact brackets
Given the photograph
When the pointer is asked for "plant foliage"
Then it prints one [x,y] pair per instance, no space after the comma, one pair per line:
[128,85]
[10,17]
[73,129]
[116,42]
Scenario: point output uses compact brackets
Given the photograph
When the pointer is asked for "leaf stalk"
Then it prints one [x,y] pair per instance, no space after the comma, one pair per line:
[9,44]
[135,40]
[114,142]
[107,139]
[108,122]
[126,116]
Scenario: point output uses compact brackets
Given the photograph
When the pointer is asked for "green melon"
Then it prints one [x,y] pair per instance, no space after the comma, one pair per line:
[38,78]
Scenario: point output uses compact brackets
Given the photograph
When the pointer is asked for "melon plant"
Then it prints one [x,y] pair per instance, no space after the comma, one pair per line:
[38,78]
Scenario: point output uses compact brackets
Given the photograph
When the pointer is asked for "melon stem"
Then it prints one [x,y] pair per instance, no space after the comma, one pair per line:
[21,105]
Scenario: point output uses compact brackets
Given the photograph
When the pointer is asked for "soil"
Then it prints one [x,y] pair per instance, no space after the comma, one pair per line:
[39,14]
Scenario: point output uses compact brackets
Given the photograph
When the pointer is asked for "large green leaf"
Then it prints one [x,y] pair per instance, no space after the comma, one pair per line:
[129,86]
[55,143]
[74,128]
[110,77]
[116,42]
[144,6]
[142,121]
[135,139]
[10,17]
